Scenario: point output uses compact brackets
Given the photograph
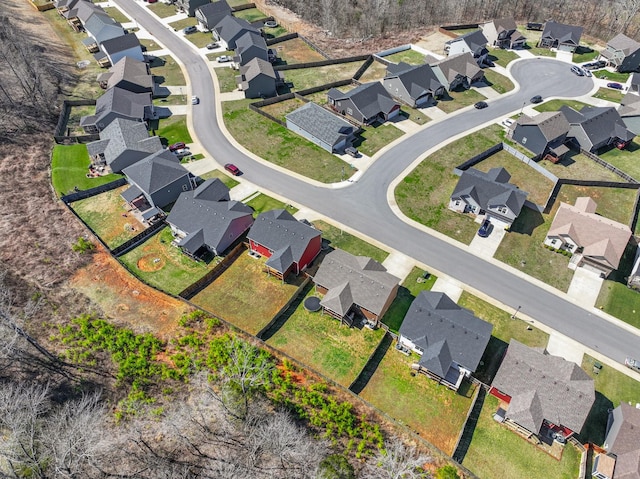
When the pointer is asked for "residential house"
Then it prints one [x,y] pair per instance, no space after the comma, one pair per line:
[565,38]
[155,182]
[250,45]
[100,27]
[414,85]
[622,53]
[622,443]
[122,143]
[205,219]
[634,83]
[118,103]
[63,6]
[458,71]
[366,104]
[290,245]
[129,74]
[488,194]
[597,243]
[543,134]
[503,33]
[114,49]
[190,6]
[79,13]
[355,287]
[629,111]
[473,42]
[540,394]
[595,127]
[321,127]
[230,28]
[209,14]
[258,79]
[449,339]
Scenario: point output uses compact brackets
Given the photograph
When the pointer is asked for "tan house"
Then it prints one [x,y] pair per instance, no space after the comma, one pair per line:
[597,243]
[622,443]
[503,33]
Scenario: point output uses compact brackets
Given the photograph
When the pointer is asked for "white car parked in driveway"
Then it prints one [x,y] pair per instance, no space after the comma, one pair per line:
[223,59]
[508,122]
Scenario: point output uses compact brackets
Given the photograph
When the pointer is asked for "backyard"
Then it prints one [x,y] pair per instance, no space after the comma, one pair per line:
[625,160]
[577,166]
[69,168]
[296,51]
[305,78]
[174,129]
[412,57]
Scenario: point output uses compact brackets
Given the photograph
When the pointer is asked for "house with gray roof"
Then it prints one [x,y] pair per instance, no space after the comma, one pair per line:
[205,219]
[100,27]
[414,85]
[367,103]
[541,394]
[622,443]
[564,37]
[114,49]
[123,143]
[258,79]
[288,244]
[63,6]
[473,42]
[629,111]
[190,6]
[79,13]
[321,127]
[542,134]
[230,28]
[634,83]
[355,287]
[118,103]
[156,181]
[458,71]
[622,53]
[595,127]
[503,33]
[250,45]
[209,14]
[129,74]
[489,194]
[449,339]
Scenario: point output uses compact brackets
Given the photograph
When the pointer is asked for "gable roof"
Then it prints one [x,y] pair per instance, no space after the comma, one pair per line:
[562,33]
[624,44]
[215,11]
[542,387]
[630,104]
[320,123]
[250,39]
[623,440]
[445,332]
[490,189]
[475,40]
[83,10]
[461,64]
[416,79]
[504,24]
[230,27]
[369,98]
[354,279]
[122,134]
[597,235]
[123,102]
[100,26]
[121,43]
[287,237]
[255,67]
[130,70]
[155,171]
[552,124]
[599,123]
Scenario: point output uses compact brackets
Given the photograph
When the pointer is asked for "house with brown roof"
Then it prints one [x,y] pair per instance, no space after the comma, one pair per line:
[503,33]
[622,444]
[355,287]
[622,53]
[543,134]
[542,395]
[597,243]
[458,71]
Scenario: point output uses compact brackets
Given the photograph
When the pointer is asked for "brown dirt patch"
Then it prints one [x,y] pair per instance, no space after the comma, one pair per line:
[150,263]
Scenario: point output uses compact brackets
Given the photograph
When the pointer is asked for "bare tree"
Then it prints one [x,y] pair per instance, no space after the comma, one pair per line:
[397,461]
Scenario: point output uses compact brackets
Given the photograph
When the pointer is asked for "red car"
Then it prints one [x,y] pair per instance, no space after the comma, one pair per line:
[233,169]
[177,146]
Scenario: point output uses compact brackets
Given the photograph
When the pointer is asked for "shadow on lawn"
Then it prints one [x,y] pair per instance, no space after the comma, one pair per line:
[527,221]
[275,327]
[595,426]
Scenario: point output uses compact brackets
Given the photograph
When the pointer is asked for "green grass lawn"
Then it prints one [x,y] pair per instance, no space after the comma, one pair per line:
[408,291]
[349,243]
[620,301]
[162,9]
[541,52]
[372,138]
[281,109]
[280,146]
[174,129]
[69,168]
[609,95]
[150,44]
[304,78]
[584,54]
[555,105]
[117,15]
[498,82]
[434,411]
[75,115]
[169,70]
[412,57]
[212,56]
[164,266]
[170,100]
[200,39]
[577,166]
[625,160]
[185,22]
[325,345]
[496,451]
[250,14]
[375,72]
[455,100]
[262,203]
[274,32]
[611,76]
[226,79]
[414,115]
[613,203]
[226,179]
[501,57]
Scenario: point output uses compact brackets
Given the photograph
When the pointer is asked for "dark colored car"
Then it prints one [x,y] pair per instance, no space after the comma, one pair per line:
[632,363]
[233,169]
[177,146]
[577,70]
[536,99]
[616,86]
[351,151]
[595,65]
[485,228]
[188,30]
[480,105]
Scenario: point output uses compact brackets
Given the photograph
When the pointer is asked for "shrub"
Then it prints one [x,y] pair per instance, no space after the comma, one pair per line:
[83,245]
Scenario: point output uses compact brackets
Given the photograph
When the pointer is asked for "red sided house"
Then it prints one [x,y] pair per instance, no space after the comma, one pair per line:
[289,244]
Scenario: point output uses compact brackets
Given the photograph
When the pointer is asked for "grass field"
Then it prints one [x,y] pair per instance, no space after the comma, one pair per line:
[455,100]
[339,239]
[584,54]
[304,78]
[167,68]
[246,296]
[226,79]
[412,57]
[226,179]
[325,345]
[416,116]
[372,138]
[375,72]
[407,292]
[281,109]
[150,44]
[577,166]
[499,83]
[625,160]
[162,9]
[555,105]
[609,95]
[183,23]
[164,266]
[250,14]
[200,39]
[174,129]
[262,203]
[69,168]
[296,51]
[619,301]
[611,76]
[502,57]
[108,218]
[75,115]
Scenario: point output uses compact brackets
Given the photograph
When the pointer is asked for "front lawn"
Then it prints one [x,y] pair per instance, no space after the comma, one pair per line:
[625,160]
[226,79]
[412,57]
[407,292]
[455,100]
[69,168]
[498,82]
[117,15]
[184,23]
[162,9]
[304,78]
[226,179]
[200,39]
[609,94]
[611,76]
[417,116]
[174,129]
[620,301]
[339,239]
[373,138]
[555,105]
[169,71]
[502,57]
[262,203]
[584,54]
[325,345]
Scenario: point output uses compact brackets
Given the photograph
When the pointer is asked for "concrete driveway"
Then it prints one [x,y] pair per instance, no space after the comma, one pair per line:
[585,287]
[486,247]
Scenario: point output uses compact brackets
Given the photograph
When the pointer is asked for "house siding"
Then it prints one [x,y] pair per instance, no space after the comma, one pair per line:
[630,63]
[170,193]
[531,138]
[261,250]
[397,90]
[312,250]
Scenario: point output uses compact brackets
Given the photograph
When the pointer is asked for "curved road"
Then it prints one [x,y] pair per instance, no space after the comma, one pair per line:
[363,205]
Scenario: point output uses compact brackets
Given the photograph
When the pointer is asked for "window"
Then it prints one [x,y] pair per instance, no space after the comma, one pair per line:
[185,187]
[524,140]
[349,111]
[457,202]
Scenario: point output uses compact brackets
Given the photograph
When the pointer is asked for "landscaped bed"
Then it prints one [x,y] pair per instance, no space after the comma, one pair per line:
[69,168]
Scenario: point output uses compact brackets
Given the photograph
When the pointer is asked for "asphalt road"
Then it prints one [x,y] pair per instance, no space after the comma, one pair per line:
[363,204]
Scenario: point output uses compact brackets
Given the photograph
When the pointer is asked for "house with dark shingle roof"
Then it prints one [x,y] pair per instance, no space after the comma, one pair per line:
[503,33]
[565,38]
[118,103]
[128,74]
[100,27]
[250,45]
[629,111]
[79,13]
[210,14]
[114,49]
[414,85]
[539,392]
[230,28]
[458,71]
[258,79]
[321,127]
[542,134]
[622,53]
[488,194]
[622,443]
[123,143]
[595,127]
[190,6]
[596,242]
[473,42]
[289,244]
[156,181]
[206,219]
[64,6]
[354,287]
[449,339]
[367,103]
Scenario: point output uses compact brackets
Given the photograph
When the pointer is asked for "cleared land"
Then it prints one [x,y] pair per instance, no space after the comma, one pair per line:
[304,78]
[296,51]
